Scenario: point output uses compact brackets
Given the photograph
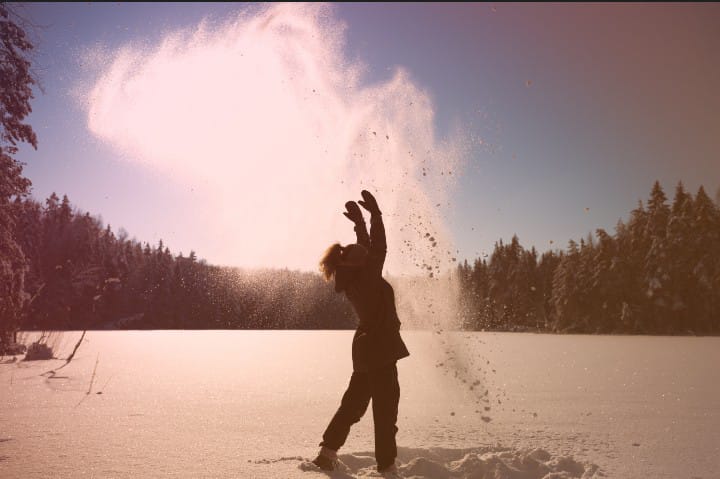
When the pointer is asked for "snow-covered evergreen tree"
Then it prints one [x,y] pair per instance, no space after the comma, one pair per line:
[17,81]
[706,249]
[564,295]
[655,269]
[679,261]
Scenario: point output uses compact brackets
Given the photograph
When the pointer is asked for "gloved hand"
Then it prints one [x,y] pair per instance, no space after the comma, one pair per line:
[353,212]
[369,203]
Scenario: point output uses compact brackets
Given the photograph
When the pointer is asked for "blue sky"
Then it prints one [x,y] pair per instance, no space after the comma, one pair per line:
[569,112]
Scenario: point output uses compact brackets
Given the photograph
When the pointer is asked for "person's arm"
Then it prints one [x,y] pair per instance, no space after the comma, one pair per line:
[378,242]
[354,214]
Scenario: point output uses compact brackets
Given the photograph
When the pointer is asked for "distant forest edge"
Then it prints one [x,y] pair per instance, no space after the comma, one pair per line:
[658,274]
[61,269]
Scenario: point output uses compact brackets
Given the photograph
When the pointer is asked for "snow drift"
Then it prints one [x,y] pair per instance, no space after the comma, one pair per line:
[479,463]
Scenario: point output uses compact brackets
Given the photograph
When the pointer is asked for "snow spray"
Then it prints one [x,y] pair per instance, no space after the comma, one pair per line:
[270,125]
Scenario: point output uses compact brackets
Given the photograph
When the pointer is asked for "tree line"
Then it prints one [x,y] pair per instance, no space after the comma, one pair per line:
[63,269]
[659,273]
[81,275]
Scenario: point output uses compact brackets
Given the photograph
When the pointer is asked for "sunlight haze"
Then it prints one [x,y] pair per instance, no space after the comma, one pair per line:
[265,121]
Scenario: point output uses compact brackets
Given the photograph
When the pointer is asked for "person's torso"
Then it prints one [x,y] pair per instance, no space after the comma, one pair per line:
[373,299]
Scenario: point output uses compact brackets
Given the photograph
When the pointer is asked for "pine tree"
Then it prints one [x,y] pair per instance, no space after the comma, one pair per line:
[656,276]
[604,295]
[17,81]
[484,311]
[633,246]
[706,248]
[468,305]
[565,295]
[679,261]
[531,288]
[549,262]
[584,320]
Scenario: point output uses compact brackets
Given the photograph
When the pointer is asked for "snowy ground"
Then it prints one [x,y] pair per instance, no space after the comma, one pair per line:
[255,403]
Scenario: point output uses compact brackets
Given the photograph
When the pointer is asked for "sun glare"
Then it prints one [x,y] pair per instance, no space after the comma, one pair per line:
[267,116]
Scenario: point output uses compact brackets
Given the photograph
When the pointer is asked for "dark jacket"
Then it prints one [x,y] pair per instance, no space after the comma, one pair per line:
[377,341]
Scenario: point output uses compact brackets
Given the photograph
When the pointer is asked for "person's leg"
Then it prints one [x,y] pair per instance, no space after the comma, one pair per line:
[352,407]
[385,391]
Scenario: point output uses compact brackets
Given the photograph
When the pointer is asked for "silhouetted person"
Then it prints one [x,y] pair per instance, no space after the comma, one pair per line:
[377,345]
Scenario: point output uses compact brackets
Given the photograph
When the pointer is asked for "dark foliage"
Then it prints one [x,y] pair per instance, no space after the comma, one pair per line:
[15,95]
[61,269]
[83,276]
[658,274]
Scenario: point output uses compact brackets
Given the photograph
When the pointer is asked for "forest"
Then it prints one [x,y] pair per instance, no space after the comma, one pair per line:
[659,273]
[82,276]
[63,269]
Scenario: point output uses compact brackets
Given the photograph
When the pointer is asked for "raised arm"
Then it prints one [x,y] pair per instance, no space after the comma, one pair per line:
[355,215]
[378,242]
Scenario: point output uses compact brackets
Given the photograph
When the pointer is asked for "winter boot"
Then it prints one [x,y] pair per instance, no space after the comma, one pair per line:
[326,459]
[390,472]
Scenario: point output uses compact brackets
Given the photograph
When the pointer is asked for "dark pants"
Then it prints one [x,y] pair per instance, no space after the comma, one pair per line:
[380,385]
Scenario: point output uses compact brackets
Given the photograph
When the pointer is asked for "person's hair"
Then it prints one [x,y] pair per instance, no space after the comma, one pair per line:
[330,260]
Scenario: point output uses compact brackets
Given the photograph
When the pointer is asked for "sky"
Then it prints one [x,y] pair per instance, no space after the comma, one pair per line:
[239,131]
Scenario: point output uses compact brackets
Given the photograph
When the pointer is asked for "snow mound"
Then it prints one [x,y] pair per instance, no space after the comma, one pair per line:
[478,463]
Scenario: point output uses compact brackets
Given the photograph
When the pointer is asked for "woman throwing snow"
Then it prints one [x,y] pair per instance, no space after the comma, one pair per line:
[377,345]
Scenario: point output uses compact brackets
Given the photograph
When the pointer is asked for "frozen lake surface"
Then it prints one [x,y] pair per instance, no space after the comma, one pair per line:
[255,403]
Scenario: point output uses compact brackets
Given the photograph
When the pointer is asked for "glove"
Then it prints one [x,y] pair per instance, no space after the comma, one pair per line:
[369,203]
[353,212]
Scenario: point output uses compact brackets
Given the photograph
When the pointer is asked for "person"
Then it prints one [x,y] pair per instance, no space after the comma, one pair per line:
[377,345]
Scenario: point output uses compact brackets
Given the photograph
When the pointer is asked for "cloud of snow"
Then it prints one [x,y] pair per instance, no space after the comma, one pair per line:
[266,115]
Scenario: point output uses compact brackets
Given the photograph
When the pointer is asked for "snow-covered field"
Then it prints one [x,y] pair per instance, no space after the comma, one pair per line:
[254,404]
